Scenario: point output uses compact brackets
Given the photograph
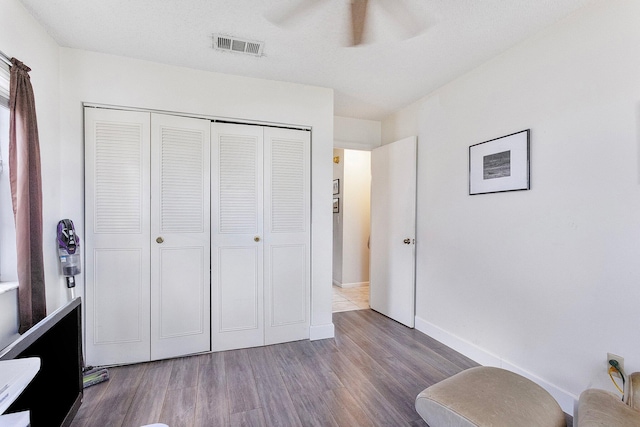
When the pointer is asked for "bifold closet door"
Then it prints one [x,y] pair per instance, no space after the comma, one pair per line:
[180,236]
[287,206]
[147,211]
[117,268]
[236,236]
[260,235]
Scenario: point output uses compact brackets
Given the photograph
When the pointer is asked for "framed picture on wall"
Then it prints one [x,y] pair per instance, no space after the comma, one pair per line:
[500,164]
[336,205]
[336,186]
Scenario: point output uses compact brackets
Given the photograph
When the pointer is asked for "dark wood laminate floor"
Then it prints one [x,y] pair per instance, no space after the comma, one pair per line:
[368,375]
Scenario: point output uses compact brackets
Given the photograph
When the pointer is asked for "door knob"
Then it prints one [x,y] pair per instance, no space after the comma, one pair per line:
[159,240]
[256,239]
[407,241]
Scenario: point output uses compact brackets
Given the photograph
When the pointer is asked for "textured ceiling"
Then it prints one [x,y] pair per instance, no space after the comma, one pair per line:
[391,70]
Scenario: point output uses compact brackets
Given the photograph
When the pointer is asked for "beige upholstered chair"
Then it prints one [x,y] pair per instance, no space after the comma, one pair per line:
[598,408]
[485,396]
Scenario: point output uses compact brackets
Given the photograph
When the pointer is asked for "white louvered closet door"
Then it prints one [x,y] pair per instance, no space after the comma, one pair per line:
[286,235]
[116,242]
[180,236]
[236,236]
[260,235]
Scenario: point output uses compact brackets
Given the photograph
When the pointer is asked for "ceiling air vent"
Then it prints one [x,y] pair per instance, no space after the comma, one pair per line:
[235,44]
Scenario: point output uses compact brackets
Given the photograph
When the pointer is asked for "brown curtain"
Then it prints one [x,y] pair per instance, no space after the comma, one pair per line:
[26,195]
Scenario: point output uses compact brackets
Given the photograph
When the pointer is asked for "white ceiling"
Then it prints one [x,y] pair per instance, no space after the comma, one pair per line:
[370,81]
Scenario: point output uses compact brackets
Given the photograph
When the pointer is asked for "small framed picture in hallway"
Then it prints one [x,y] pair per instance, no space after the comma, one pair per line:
[336,205]
[336,186]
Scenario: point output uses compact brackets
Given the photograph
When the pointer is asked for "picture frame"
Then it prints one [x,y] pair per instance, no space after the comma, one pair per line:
[501,164]
[336,205]
[336,186]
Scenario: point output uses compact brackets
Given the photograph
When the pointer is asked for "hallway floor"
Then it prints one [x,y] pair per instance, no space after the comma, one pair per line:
[347,299]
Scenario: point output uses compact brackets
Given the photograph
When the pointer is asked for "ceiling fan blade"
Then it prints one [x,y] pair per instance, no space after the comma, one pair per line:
[286,14]
[408,23]
[358,19]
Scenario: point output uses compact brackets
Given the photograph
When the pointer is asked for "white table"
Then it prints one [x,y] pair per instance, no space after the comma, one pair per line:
[15,375]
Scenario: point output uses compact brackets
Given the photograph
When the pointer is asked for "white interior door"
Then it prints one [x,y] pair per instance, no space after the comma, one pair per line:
[180,233]
[236,236]
[117,267]
[393,223]
[286,234]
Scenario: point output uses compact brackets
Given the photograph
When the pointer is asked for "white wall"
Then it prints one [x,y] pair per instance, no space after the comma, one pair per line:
[356,134]
[63,79]
[22,37]
[107,79]
[356,206]
[544,281]
[8,254]
[402,124]
[8,315]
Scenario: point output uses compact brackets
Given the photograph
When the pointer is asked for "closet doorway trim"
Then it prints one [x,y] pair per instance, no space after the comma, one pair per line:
[200,116]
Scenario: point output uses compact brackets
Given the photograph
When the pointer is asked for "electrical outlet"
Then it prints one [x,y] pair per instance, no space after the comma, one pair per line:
[619,359]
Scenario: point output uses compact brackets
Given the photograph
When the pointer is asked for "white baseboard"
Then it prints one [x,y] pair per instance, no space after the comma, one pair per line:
[321,332]
[350,285]
[566,400]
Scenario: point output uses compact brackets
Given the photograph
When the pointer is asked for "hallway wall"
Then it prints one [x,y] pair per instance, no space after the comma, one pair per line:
[351,224]
[353,140]
[356,218]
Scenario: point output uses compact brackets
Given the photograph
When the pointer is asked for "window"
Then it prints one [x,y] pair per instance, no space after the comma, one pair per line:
[4,84]
[8,271]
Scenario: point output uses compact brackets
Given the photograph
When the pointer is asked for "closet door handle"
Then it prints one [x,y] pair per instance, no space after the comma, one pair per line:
[256,239]
[159,240]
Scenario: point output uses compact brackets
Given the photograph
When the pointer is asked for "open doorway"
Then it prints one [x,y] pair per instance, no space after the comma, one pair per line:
[351,220]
